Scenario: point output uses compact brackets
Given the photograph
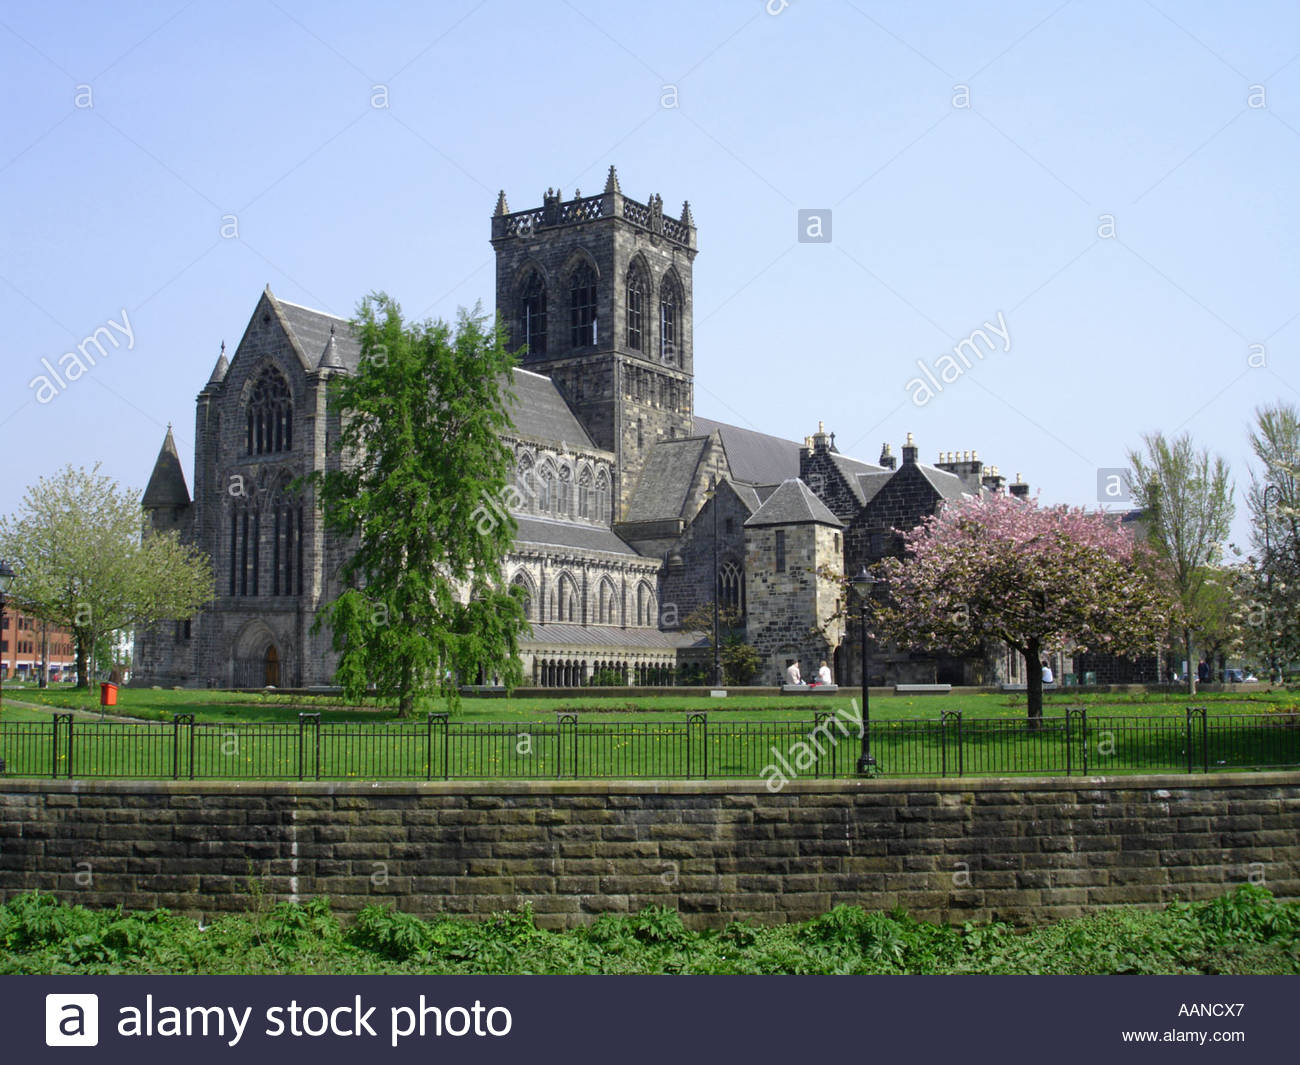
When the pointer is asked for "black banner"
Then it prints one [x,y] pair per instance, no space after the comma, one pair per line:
[645,1019]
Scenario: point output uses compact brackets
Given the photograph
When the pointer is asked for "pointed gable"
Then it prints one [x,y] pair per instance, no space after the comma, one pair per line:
[167,486]
[793,503]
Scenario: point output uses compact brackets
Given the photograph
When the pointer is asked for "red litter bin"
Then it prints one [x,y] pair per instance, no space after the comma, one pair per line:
[108,694]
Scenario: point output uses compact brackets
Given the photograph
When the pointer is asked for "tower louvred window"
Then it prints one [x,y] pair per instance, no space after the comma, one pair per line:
[533,314]
[635,309]
[582,306]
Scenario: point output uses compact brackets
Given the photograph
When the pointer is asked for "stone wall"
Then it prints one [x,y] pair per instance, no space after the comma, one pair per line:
[1019,850]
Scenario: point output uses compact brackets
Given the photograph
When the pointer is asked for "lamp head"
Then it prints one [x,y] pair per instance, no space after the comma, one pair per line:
[6,577]
[863,581]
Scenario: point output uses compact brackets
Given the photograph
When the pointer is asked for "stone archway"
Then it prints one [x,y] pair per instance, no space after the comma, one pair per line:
[259,658]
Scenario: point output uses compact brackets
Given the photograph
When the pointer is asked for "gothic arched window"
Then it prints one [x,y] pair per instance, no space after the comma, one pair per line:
[669,323]
[270,415]
[607,605]
[532,314]
[566,599]
[731,587]
[645,605]
[562,492]
[545,488]
[582,306]
[584,493]
[524,480]
[636,287]
[602,496]
[521,581]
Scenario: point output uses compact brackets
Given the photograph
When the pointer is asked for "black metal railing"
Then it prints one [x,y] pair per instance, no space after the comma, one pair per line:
[691,747]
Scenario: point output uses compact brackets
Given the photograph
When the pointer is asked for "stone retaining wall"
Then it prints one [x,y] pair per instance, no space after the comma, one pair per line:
[1019,850]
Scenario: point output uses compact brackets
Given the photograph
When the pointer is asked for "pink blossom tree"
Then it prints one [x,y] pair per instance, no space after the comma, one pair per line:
[1036,578]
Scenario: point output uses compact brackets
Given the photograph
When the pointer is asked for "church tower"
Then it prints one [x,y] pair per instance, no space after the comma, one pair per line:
[597,289]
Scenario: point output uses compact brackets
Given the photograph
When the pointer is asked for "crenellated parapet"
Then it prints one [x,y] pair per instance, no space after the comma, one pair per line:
[556,212]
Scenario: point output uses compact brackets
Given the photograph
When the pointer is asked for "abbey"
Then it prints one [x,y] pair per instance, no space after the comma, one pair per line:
[628,504]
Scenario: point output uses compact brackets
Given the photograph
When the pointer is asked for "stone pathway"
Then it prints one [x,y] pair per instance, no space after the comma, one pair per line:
[91,715]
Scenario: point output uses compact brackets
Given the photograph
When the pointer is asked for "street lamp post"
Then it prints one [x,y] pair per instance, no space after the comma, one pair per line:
[1268,577]
[862,585]
[6,582]
[717,659]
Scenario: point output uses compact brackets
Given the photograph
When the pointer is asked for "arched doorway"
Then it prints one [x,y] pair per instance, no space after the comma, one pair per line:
[271,667]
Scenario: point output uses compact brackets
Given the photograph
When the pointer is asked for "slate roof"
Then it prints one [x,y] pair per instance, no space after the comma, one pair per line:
[570,534]
[167,486]
[868,484]
[312,329]
[540,413]
[666,478]
[754,457]
[619,640]
[853,469]
[793,503]
[747,495]
[948,485]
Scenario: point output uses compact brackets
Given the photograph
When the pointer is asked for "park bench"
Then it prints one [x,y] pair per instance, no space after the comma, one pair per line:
[922,689]
[809,689]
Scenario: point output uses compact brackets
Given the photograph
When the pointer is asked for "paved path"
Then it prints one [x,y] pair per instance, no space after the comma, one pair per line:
[92,715]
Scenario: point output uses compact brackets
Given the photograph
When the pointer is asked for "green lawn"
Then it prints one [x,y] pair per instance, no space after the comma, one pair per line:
[223,706]
[494,740]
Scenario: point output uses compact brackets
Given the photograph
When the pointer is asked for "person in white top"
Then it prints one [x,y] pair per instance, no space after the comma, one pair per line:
[824,674]
[792,674]
[1047,673]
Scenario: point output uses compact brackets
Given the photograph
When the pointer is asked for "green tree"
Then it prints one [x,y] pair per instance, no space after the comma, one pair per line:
[1002,568]
[76,544]
[1187,497]
[739,660]
[422,493]
[1274,502]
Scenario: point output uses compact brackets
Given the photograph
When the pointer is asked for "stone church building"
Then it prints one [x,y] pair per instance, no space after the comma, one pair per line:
[629,505]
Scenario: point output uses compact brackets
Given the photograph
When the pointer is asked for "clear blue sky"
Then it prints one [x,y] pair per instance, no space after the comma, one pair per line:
[942,215]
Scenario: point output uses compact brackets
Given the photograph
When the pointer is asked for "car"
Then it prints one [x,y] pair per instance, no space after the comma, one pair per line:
[1233,676]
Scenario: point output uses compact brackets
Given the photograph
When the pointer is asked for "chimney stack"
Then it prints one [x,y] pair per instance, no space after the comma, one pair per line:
[909,451]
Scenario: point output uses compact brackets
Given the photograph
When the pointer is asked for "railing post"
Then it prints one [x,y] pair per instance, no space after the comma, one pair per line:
[303,721]
[440,719]
[54,747]
[177,721]
[1083,729]
[70,745]
[943,743]
[697,717]
[1187,739]
[1200,712]
[561,719]
[957,717]
[428,747]
[820,716]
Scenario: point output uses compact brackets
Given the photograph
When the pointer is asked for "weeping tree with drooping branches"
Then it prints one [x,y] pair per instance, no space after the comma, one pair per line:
[1001,568]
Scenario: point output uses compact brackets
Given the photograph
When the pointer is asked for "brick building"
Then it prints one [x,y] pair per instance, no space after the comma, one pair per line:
[615,477]
[27,643]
